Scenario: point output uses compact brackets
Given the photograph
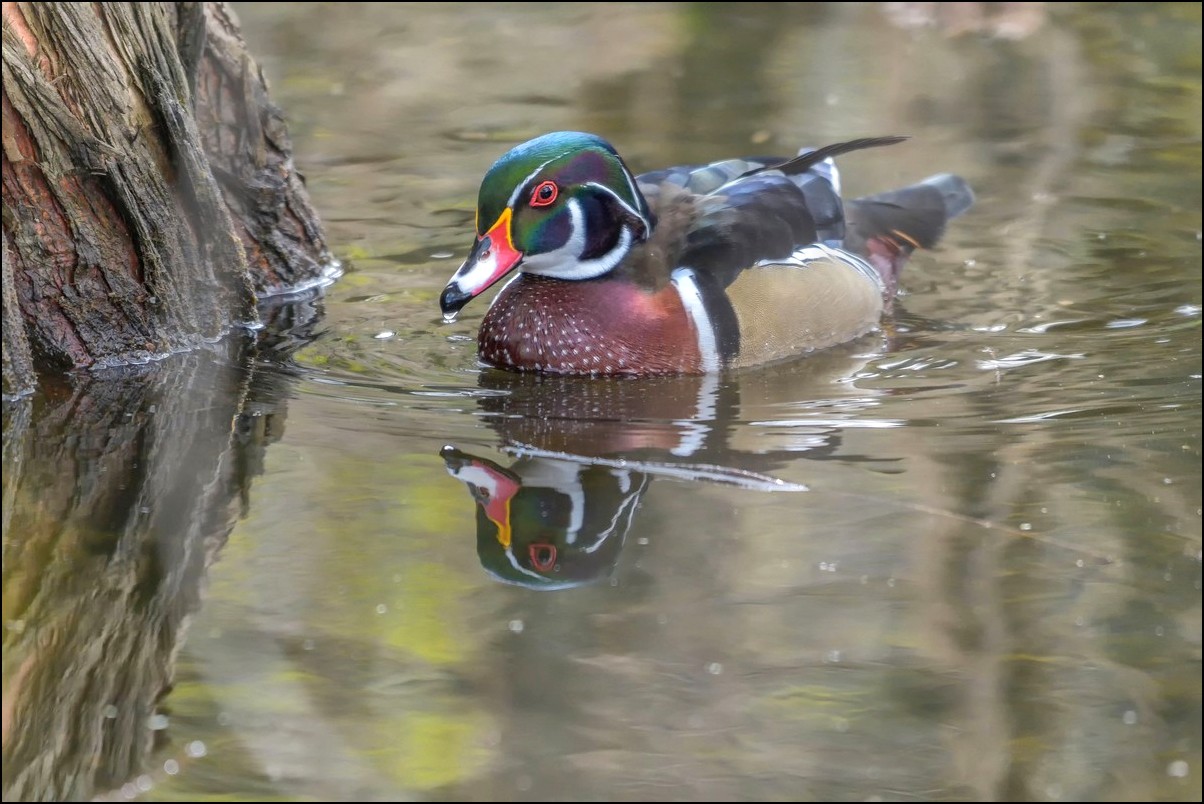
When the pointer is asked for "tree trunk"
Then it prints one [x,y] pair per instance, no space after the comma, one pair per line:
[148,186]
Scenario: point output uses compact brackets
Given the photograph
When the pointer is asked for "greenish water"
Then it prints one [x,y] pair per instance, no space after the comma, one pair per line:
[990,588]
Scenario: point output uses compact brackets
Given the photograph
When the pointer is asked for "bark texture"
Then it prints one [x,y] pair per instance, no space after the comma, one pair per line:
[148,185]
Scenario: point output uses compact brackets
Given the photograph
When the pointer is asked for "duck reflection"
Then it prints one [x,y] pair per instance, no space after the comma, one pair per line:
[548,523]
[585,450]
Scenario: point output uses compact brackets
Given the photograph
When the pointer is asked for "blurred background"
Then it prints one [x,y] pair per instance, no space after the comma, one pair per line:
[958,559]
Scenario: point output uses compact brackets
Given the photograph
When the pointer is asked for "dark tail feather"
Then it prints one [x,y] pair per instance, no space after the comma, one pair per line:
[915,215]
[886,228]
[802,162]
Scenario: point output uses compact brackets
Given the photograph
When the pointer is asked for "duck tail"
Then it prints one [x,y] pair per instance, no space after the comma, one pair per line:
[886,228]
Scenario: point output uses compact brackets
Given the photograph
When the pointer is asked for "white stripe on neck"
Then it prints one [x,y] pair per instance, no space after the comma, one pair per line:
[566,263]
[686,282]
[634,212]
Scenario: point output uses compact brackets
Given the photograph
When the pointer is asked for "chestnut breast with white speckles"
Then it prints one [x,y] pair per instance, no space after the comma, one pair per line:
[598,326]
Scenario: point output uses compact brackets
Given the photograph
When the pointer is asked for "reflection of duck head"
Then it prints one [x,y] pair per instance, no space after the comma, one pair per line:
[548,523]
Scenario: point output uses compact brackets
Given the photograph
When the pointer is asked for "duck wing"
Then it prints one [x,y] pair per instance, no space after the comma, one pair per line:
[767,210]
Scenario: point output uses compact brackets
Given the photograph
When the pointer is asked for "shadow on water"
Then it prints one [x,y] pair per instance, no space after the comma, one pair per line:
[120,490]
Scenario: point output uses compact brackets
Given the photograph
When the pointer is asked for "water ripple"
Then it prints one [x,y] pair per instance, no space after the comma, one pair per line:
[1026,357]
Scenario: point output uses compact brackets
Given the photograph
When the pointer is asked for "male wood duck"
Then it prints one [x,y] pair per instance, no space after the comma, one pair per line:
[687,270]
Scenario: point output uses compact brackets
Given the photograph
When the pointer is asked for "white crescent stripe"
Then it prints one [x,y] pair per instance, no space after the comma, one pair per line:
[622,203]
[686,282]
[519,189]
[566,263]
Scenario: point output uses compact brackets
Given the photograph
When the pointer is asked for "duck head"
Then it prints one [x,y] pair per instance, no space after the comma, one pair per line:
[563,205]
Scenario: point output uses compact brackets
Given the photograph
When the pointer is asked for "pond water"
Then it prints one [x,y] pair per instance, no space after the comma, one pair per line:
[959,558]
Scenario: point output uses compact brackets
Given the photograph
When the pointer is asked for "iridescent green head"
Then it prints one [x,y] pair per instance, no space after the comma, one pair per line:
[562,205]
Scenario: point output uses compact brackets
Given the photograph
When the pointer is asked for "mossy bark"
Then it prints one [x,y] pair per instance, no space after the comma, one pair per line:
[148,185]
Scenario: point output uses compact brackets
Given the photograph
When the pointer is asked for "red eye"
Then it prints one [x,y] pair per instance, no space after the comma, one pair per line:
[543,556]
[544,194]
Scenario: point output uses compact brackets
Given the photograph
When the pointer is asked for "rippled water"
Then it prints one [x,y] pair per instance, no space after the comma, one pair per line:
[959,558]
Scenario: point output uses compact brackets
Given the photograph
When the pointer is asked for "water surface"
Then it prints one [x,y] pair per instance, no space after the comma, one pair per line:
[958,558]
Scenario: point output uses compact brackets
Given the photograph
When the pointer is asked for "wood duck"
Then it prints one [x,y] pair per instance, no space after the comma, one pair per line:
[687,270]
